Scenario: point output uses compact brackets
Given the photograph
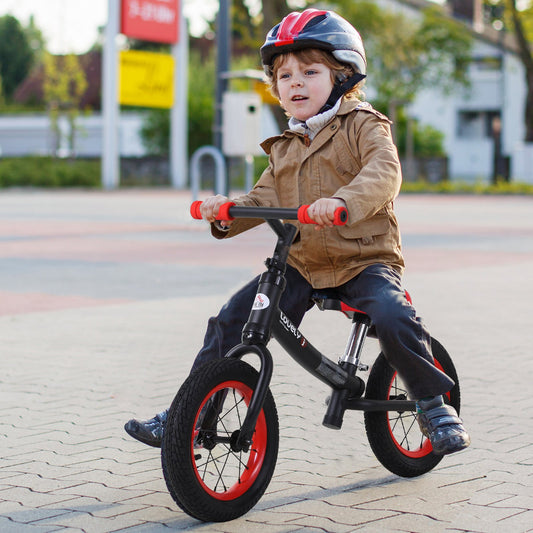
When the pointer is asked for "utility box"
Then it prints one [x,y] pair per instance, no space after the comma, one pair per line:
[241,124]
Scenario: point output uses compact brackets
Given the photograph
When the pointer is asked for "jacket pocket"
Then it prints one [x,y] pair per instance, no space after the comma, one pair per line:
[373,235]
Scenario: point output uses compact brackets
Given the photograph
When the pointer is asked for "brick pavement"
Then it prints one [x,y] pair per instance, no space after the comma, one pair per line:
[103,301]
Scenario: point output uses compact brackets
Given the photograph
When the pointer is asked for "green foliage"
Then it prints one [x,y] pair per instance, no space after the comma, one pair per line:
[498,13]
[148,46]
[16,56]
[246,28]
[65,81]
[48,172]
[517,17]
[427,141]
[445,47]
[64,85]
[155,131]
[35,39]
[201,100]
[461,187]
[156,128]
[527,20]
[404,55]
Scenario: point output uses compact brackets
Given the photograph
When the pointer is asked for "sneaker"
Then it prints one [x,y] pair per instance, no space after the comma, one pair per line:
[148,431]
[442,426]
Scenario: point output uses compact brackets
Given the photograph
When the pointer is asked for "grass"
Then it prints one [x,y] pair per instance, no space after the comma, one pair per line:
[460,187]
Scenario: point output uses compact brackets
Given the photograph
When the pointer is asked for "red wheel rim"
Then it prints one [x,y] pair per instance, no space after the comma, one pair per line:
[256,455]
[426,447]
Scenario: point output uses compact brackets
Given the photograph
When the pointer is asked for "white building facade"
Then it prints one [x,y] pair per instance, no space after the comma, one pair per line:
[484,124]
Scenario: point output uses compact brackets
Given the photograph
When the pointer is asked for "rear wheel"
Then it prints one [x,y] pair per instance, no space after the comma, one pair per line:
[205,473]
[395,437]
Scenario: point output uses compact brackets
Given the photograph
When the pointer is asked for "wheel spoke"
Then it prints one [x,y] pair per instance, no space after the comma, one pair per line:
[224,467]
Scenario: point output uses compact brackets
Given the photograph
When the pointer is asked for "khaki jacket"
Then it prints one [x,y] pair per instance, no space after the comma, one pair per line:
[352,157]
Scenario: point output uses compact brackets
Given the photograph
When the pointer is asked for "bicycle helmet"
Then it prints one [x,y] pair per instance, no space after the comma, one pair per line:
[315,28]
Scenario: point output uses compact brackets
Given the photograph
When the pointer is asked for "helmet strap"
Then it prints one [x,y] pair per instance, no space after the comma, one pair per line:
[339,89]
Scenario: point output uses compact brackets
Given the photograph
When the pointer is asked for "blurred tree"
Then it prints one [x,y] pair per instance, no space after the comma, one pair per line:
[16,56]
[36,40]
[273,11]
[505,15]
[245,27]
[64,85]
[406,55]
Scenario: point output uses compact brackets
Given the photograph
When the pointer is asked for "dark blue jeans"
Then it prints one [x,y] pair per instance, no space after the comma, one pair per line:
[377,291]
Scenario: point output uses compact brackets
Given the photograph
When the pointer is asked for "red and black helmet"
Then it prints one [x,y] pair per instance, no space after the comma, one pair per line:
[315,28]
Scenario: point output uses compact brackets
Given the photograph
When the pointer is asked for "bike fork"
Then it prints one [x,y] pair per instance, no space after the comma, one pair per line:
[244,438]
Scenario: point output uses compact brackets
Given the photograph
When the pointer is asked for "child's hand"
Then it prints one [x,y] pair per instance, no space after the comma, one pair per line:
[210,206]
[323,211]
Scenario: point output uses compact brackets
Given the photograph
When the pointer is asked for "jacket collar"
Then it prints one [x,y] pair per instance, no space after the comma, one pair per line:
[346,107]
[314,124]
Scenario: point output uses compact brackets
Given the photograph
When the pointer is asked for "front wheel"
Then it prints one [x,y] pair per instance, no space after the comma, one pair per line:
[395,437]
[204,473]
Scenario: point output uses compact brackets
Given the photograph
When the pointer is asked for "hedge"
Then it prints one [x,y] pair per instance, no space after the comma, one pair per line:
[49,172]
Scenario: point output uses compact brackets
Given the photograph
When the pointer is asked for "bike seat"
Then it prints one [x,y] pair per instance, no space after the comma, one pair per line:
[329,301]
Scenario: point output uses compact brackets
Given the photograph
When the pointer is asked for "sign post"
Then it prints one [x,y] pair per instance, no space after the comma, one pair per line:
[178,113]
[147,79]
[110,111]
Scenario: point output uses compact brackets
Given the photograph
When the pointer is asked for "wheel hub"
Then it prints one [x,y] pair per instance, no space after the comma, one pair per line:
[235,443]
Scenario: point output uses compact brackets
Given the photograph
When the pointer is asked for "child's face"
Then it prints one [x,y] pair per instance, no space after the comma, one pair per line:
[303,89]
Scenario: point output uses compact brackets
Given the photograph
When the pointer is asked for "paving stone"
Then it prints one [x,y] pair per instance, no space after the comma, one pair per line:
[103,303]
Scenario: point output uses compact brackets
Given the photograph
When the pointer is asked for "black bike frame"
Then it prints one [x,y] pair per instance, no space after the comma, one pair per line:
[266,320]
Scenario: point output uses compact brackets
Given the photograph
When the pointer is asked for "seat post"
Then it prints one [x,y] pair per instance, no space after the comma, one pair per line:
[352,353]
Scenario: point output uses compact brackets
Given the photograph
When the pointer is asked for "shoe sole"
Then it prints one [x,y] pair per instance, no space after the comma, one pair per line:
[131,432]
[451,445]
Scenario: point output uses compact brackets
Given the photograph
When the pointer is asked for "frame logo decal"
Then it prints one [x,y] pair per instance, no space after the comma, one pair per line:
[261,301]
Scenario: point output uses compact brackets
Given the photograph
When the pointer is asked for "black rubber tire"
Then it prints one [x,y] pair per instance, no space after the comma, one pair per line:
[395,437]
[214,483]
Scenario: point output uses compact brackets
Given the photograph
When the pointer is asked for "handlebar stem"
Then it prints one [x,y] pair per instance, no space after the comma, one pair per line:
[271,286]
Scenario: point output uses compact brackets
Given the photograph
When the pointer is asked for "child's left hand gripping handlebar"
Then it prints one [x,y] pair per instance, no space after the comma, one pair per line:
[229,211]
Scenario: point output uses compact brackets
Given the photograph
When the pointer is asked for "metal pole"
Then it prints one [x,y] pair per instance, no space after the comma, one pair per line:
[110,109]
[249,173]
[178,113]
[223,65]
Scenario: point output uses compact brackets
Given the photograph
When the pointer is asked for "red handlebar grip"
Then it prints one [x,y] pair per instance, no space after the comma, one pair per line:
[223,212]
[303,217]
[195,209]
[340,218]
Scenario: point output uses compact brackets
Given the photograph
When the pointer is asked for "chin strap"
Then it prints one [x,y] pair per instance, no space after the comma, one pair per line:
[339,89]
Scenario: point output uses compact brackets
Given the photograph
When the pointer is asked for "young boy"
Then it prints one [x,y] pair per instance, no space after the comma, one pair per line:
[338,151]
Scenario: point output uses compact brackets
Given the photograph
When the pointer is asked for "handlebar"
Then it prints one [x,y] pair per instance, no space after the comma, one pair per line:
[230,211]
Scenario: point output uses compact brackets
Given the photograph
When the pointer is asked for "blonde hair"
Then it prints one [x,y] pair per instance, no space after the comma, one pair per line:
[309,56]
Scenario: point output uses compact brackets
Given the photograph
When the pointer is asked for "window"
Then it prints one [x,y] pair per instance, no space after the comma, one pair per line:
[477,124]
[487,63]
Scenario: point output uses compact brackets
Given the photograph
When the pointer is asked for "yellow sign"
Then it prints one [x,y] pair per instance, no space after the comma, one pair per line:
[146,79]
[266,96]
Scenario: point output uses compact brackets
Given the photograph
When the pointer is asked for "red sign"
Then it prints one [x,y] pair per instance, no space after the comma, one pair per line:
[150,20]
